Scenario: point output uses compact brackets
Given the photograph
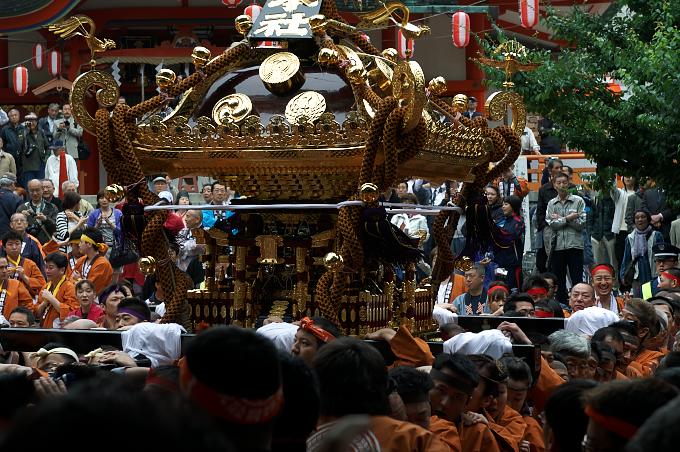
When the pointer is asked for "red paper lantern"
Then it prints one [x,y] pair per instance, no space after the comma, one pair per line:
[460,29]
[20,79]
[231,3]
[38,56]
[528,12]
[404,44]
[54,59]
[253,11]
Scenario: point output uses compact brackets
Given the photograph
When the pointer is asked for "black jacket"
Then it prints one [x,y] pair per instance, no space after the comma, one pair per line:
[8,205]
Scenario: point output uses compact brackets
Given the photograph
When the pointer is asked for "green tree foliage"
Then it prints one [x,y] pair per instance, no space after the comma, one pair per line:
[635,42]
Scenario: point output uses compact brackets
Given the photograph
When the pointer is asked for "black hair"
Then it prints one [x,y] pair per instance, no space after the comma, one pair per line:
[85,282]
[459,364]
[212,186]
[301,404]
[30,316]
[535,281]
[108,290]
[671,360]
[412,384]
[660,433]
[565,416]
[552,162]
[93,233]
[11,234]
[71,199]
[517,369]
[137,305]
[549,275]
[324,323]
[670,375]
[352,379]
[511,303]
[492,372]
[625,326]
[58,259]
[608,331]
[616,398]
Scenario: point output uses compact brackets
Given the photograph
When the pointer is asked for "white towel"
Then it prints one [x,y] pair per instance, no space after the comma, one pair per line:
[161,343]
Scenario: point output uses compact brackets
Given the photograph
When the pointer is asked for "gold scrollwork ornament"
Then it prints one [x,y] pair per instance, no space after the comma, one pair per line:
[497,109]
[408,85]
[232,109]
[107,96]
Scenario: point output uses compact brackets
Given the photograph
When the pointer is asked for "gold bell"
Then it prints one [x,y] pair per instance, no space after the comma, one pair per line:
[437,86]
[200,56]
[114,193]
[147,265]
[328,57]
[391,54]
[165,78]
[333,262]
[243,24]
[369,193]
[460,102]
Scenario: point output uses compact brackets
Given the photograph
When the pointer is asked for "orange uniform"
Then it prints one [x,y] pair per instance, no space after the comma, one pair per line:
[98,271]
[509,428]
[473,438]
[548,380]
[534,434]
[646,362]
[410,351]
[394,435]
[65,292]
[12,295]
[36,280]
[447,432]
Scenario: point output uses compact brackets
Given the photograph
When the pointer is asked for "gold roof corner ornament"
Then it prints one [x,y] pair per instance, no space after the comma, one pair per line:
[380,17]
[513,53]
[82,25]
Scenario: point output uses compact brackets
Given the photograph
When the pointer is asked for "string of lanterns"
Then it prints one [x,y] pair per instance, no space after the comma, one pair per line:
[20,72]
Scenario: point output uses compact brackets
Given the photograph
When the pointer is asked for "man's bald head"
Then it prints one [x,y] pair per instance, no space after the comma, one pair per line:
[582,296]
[193,218]
[35,190]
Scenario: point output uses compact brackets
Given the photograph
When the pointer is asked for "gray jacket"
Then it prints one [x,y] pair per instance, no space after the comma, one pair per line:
[567,233]
[70,136]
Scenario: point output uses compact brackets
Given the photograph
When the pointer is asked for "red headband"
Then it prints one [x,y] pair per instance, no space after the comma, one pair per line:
[235,410]
[491,289]
[602,267]
[671,277]
[610,423]
[537,291]
[308,325]
[541,314]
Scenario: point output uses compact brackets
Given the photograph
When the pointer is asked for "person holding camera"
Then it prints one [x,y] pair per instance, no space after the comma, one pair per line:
[68,132]
[41,215]
[12,135]
[34,152]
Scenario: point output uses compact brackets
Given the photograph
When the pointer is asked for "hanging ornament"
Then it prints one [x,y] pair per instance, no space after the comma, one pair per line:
[20,78]
[460,29]
[528,12]
[231,3]
[405,47]
[253,11]
[54,59]
[38,56]
[115,72]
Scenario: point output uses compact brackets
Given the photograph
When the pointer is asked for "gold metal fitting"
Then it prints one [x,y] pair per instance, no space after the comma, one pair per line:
[243,24]
[165,78]
[369,193]
[200,56]
[437,86]
[147,265]
[460,102]
[391,54]
[328,57]
[333,262]
[356,75]
[317,24]
[114,193]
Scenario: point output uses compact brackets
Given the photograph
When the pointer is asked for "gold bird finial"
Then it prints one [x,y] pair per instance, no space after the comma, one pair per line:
[511,51]
[81,25]
[395,12]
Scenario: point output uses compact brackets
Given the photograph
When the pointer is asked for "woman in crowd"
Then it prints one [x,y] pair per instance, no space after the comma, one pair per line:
[86,296]
[183,200]
[637,267]
[493,198]
[69,220]
[509,256]
[107,220]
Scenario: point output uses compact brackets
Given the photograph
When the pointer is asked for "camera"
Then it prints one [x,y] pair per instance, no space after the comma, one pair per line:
[29,149]
[34,230]
[67,124]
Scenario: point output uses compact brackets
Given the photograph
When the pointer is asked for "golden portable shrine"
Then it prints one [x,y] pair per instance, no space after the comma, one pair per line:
[302,110]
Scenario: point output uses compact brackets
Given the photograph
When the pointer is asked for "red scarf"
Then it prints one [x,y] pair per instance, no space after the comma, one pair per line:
[63,176]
